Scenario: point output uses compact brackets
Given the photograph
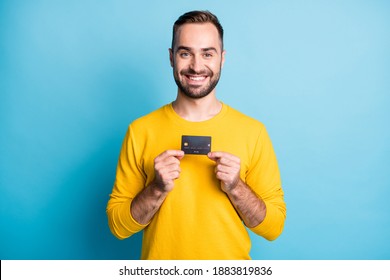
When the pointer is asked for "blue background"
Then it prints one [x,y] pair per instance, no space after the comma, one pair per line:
[74,74]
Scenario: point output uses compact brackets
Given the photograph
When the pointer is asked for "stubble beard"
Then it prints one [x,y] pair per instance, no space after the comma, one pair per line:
[193,91]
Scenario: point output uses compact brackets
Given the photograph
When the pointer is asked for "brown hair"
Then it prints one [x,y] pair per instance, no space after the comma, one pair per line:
[197,17]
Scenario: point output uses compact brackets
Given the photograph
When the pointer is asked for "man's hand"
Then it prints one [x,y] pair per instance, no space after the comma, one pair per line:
[167,169]
[227,169]
[150,199]
[249,206]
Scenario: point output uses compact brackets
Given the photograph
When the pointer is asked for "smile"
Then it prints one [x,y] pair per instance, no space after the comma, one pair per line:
[196,78]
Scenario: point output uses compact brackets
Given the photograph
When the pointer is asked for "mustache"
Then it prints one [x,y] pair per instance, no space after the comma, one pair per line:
[190,71]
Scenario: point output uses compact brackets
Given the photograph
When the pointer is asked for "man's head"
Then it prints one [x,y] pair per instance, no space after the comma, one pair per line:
[197,17]
[197,53]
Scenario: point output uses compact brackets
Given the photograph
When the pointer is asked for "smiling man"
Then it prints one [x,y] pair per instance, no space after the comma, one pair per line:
[197,60]
[195,174]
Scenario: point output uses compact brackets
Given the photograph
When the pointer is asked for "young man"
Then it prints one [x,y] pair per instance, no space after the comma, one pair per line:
[195,174]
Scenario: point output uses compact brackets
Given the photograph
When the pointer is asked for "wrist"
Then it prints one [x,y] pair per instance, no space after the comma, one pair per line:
[234,188]
[158,189]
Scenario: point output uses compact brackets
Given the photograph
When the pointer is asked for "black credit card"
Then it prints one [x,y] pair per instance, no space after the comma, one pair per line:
[196,145]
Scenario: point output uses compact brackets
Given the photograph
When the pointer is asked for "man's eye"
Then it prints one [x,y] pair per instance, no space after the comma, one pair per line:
[208,55]
[184,54]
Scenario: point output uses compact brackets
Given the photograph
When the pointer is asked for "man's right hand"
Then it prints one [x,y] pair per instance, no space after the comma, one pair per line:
[149,200]
[167,169]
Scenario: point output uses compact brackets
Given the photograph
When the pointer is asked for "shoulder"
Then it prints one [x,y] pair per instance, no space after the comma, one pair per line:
[150,119]
[243,120]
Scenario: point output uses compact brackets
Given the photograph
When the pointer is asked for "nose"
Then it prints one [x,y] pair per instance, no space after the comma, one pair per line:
[196,64]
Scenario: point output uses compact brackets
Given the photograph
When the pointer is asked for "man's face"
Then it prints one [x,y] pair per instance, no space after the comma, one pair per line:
[197,58]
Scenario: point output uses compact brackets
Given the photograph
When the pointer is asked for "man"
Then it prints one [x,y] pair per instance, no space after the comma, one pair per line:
[190,203]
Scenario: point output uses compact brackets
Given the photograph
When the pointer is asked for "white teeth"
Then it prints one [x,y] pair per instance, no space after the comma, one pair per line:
[197,78]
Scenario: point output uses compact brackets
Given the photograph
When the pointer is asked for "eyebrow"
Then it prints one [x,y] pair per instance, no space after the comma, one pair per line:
[202,49]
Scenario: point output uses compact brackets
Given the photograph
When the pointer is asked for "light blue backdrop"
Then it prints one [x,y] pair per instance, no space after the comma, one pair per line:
[74,74]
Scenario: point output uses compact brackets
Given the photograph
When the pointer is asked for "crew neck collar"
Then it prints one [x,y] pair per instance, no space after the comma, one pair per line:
[201,124]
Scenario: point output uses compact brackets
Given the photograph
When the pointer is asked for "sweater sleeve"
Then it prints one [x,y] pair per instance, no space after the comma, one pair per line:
[130,180]
[264,178]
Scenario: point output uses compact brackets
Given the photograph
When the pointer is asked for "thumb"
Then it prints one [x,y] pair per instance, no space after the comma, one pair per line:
[179,154]
[212,156]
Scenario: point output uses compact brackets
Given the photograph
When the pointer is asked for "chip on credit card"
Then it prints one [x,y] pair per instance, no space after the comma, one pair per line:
[196,145]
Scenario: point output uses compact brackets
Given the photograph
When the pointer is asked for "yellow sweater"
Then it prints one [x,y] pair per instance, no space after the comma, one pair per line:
[197,219]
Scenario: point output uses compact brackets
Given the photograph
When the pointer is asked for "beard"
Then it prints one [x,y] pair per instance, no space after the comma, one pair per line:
[197,92]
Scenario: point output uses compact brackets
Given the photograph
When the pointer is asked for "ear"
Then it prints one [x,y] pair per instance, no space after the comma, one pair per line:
[223,58]
[171,56]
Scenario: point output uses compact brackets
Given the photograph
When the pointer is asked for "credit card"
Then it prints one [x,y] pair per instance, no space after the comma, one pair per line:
[196,145]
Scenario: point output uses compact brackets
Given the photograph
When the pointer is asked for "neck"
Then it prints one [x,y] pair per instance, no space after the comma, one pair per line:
[197,110]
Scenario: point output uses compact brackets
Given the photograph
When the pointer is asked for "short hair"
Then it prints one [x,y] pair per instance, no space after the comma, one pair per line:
[197,17]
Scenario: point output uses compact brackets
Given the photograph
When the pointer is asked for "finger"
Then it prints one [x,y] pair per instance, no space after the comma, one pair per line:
[223,168]
[213,156]
[225,159]
[170,161]
[229,162]
[168,157]
[175,174]
[164,168]
[219,155]
[172,153]
[172,175]
[224,177]
[169,174]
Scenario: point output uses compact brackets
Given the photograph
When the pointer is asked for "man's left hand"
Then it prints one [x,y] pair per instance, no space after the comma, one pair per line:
[227,169]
